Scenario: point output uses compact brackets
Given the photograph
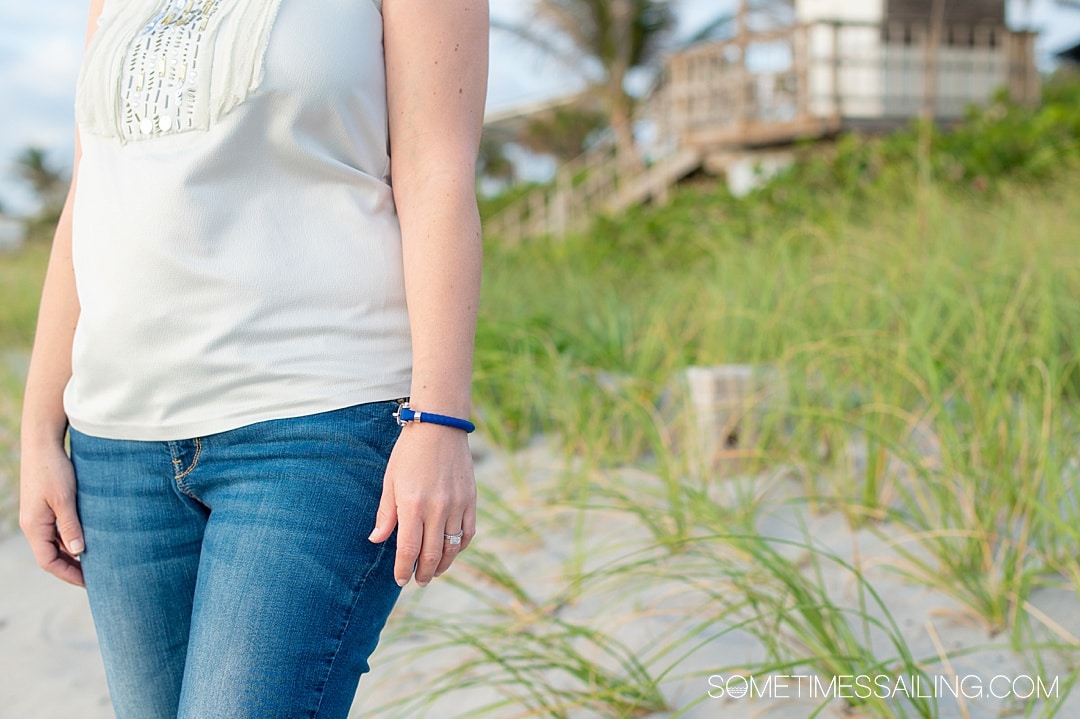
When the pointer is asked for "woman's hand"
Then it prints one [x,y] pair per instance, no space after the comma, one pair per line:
[428,491]
[436,79]
[47,512]
[436,76]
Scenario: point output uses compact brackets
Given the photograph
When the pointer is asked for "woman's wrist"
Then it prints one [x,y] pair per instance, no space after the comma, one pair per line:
[442,401]
[406,415]
[38,433]
[41,442]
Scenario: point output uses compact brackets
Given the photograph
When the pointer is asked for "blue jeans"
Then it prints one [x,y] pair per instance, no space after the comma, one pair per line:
[230,575]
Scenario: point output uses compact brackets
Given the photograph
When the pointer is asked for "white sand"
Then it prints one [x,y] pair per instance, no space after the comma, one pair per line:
[49,662]
[50,669]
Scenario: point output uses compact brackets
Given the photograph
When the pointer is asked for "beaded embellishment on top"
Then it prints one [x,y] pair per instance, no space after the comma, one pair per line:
[151,68]
[159,79]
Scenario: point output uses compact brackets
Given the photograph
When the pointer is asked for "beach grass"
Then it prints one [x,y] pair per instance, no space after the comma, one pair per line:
[22,273]
[919,361]
[926,392]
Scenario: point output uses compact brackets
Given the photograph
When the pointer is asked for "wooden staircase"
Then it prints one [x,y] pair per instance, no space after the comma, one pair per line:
[597,182]
[713,103]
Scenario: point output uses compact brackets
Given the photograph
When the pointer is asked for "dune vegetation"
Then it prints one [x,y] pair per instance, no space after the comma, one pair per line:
[911,327]
[911,324]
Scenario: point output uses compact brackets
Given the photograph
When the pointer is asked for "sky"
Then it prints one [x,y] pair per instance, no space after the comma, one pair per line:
[41,46]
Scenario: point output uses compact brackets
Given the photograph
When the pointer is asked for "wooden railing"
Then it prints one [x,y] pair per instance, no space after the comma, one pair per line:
[580,187]
[598,181]
[774,88]
[814,78]
[710,87]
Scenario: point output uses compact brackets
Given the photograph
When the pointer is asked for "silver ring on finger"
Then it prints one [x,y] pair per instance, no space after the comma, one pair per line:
[454,538]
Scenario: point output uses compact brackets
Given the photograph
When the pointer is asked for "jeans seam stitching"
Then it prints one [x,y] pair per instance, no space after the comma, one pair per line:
[358,592]
[187,491]
[194,460]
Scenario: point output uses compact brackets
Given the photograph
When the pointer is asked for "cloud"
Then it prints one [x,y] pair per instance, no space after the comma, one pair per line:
[41,45]
[40,49]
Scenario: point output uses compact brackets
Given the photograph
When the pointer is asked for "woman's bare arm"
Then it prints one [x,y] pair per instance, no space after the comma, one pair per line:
[436,67]
[47,512]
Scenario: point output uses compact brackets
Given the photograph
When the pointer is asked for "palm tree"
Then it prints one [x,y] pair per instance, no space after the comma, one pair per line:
[491,161]
[564,132]
[48,182]
[602,41]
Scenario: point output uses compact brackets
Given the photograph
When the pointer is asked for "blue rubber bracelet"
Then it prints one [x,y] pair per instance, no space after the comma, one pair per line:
[404,415]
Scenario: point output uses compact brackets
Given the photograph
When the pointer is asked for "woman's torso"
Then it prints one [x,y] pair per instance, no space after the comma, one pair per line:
[236,248]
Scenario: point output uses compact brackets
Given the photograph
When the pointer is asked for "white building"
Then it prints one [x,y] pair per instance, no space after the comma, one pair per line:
[843,64]
[887,62]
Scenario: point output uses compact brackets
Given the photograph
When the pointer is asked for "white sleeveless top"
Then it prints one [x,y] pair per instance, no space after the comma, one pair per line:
[236,247]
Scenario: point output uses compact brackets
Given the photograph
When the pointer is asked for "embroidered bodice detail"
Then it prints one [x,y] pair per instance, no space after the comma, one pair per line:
[150,70]
[159,86]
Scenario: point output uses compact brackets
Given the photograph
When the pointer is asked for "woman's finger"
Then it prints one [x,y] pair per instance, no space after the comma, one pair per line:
[410,539]
[386,516]
[48,514]
[468,524]
[432,551]
[68,526]
[45,544]
[451,549]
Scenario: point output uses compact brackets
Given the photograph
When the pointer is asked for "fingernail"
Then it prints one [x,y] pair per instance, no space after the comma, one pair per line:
[371,537]
[402,582]
[421,584]
[77,546]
